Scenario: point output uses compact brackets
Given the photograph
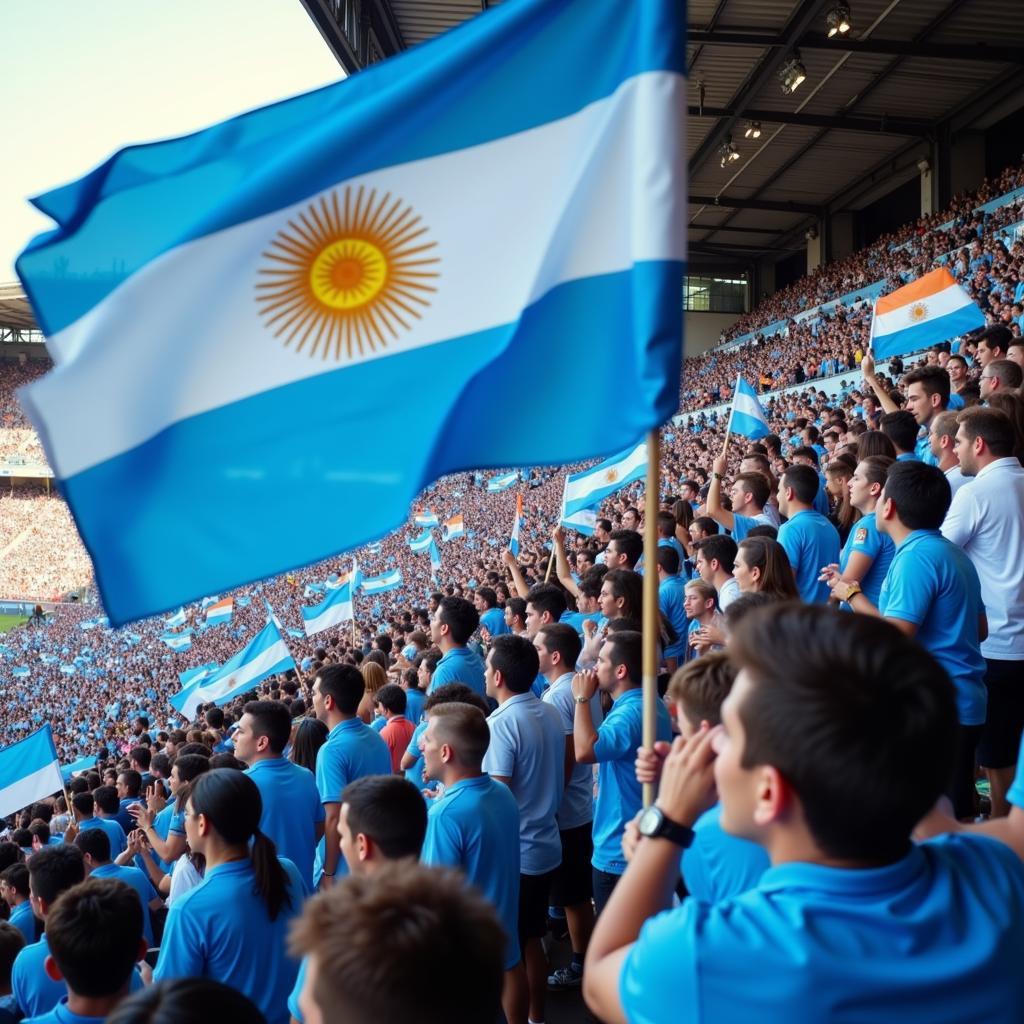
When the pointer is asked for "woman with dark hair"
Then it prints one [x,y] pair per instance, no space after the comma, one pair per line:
[310,736]
[187,1001]
[762,567]
[233,926]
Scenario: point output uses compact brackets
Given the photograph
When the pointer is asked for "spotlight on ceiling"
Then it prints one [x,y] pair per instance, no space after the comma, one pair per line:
[838,20]
[792,74]
[728,152]
[753,130]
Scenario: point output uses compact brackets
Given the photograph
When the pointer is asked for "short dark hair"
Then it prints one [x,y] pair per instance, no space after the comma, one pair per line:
[630,543]
[864,780]
[757,485]
[901,428]
[390,810]
[720,548]
[392,698]
[706,525]
[16,876]
[993,426]
[803,482]
[94,933]
[272,719]
[344,683]
[459,616]
[562,638]
[11,944]
[54,869]
[490,598]
[921,494]
[933,379]
[132,781]
[83,803]
[516,659]
[1008,373]
[142,756]
[516,607]
[106,799]
[96,843]
[451,693]
[997,336]
[465,727]
[546,597]
[364,936]
[668,559]
[701,686]
[625,647]
[215,718]
[186,1001]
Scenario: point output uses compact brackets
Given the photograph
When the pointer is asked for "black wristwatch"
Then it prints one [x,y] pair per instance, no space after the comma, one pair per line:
[655,825]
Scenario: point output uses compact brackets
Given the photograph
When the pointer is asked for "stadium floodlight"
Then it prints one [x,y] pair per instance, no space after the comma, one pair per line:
[753,130]
[838,20]
[792,74]
[728,152]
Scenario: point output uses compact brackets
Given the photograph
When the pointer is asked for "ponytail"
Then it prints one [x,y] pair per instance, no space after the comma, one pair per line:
[271,877]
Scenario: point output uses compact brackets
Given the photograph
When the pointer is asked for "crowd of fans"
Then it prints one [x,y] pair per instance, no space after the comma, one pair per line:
[837,829]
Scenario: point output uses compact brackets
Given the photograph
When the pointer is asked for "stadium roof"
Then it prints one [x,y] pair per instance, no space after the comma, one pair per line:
[15,312]
[875,101]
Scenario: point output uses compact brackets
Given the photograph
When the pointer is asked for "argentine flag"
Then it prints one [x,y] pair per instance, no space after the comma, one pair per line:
[422,542]
[590,487]
[335,608]
[513,543]
[435,558]
[584,521]
[29,771]
[264,655]
[20,671]
[747,417]
[425,519]
[220,612]
[379,584]
[931,309]
[502,483]
[176,620]
[83,764]
[179,642]
[454,527]
[308,254]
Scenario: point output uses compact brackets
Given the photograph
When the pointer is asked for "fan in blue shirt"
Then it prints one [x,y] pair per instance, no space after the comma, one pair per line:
[809,539]
[852,921]
[14,890]
[453,624]
[233,926]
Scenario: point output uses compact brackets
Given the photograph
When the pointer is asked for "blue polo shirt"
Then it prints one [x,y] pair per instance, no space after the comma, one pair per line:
[493,620]
[923,449]
[821,502]
[932,583]
[469,828]
[60,1014]
[135,879]
[24,920]
[415,774]
[221,930]
[414,700]
[460,665]
[928,938]
[718,865]
[291,811]
[577,807]
[811,542]
[865,539]
[671,594]
[118,840]
[528,748]
[618,792]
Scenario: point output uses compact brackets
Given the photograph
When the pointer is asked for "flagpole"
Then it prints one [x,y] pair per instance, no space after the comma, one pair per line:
[352,587]
[650,600]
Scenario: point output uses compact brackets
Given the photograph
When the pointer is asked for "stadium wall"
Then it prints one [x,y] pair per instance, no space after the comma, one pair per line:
[701,331]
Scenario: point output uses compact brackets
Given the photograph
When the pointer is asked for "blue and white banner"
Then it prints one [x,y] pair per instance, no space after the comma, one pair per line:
[179,642]
[316,247]
[453,528]
[502,483]
[435,558]
[590,487]
[747,417]
[584,521]
[29,771]
[517,523]
[264,655]
[422,542]
[379,584]
[220,612]
[425,519]
[334,609]
[20,671]
[176,620]
[83,764]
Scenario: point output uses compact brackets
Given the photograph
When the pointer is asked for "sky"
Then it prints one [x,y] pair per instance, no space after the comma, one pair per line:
[82,78]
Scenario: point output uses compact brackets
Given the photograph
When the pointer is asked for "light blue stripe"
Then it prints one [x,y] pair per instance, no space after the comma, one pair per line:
[960,321]
[341,595]
[523,64]
[748,426]
[26,756]
[258,480]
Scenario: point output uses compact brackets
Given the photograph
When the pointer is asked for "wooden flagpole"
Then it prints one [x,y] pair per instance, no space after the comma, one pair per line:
[650,600]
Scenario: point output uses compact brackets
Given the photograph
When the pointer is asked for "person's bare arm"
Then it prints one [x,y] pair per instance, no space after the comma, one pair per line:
[562,562]
[584,735]
[716,510]
[867,366]
[522,590]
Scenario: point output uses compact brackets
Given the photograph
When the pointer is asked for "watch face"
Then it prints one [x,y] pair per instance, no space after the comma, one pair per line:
[650,821]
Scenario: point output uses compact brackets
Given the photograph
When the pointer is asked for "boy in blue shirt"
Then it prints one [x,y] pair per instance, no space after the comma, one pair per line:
[809,539]
[852,921]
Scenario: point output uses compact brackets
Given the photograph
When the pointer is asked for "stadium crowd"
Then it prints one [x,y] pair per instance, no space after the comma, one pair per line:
[841,612]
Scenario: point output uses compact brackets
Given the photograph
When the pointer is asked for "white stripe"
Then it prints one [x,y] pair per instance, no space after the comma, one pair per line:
[575,202]
[277,651]
[329,617]
[597,479]
[744,403]
[949,300]
[27,790]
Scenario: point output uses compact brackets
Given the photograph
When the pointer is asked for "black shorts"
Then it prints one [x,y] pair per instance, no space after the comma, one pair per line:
[533,906]
[572,881]
[1004,722]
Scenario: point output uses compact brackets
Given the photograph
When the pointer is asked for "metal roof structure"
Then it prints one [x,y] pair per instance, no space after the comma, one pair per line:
[894,90]
[15,312]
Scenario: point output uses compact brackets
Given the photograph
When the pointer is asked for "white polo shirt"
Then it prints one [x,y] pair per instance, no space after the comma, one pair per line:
[986,519]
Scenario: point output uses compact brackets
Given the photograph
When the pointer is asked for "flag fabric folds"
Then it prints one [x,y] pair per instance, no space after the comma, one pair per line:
[29,771]
[379,584]
[502,483]
[517,522]
[435,558]
[422,542]
[931,309]
[83,764]
[264,655]
[747,416]
[572,111]
[179,642]
[453,528]
[425,519]
[335,608]
[590,487]
[584,521]
[176,620]
[221,612]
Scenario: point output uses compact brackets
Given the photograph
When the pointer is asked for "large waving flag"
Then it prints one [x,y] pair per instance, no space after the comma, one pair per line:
[264,655]
[335,608]
[931,309]
[425,519]
[176,620]
[221,612]
[29,771]
[502,483]
[379,584]
[517,522]
[454,527]
[747,416]
[317,248]
[590,487]
[422,542]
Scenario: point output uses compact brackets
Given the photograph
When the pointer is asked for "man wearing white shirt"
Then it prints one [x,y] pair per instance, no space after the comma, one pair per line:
[942,439]
[986,519]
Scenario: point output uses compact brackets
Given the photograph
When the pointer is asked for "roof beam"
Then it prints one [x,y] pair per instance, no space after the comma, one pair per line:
[755,204]
[978,51]
[874,125]
[694,226]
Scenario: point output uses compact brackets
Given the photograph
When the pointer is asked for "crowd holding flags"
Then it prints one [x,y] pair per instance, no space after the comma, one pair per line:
[747,417]
[453,528]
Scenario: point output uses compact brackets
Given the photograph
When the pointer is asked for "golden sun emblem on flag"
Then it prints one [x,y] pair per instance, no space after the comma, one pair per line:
[347,274]
[611,475]
[918,311]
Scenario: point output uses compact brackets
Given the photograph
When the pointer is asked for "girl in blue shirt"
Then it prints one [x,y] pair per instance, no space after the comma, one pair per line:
[233,926]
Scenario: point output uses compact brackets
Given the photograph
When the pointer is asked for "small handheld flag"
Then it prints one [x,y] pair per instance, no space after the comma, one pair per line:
[589,488]
[453,528]
[379,584]
[513,544]
[29,771]
[747,417]
[335,608]
[502,483]
[220,612]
